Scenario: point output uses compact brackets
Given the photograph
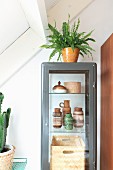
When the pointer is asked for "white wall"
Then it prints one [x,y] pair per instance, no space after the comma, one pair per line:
[23,91]
[12,23]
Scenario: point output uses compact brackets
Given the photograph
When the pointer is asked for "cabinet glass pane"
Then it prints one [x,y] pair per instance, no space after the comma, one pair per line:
[64,128]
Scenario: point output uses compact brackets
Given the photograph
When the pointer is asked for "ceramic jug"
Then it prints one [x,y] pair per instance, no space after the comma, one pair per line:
[65,108]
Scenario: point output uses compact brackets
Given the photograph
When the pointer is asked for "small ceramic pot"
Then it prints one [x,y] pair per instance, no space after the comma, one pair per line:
[59,88]
[57,118]
[78,117]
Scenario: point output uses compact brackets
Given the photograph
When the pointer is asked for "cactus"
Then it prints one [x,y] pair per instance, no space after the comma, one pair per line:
[4,122]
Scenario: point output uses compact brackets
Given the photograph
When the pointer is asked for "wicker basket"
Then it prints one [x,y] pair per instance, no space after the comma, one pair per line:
[67,153]
[6,158]
[73,87]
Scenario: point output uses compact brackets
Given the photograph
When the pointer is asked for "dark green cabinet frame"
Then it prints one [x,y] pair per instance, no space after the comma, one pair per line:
[90,69]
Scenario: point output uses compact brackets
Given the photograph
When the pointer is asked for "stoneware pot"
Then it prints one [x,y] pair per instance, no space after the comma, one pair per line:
[59,88]
[6,157]
[70,55]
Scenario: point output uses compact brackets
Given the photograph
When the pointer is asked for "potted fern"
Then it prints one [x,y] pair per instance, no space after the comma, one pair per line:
[6,151]
[69,42]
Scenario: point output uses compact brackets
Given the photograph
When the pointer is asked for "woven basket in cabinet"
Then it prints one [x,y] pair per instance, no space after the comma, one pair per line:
[67,153]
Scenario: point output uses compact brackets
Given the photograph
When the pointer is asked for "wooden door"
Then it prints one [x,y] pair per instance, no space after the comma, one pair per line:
[107,105]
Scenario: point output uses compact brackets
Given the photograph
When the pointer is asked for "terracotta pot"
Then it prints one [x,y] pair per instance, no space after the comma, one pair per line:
[69,55]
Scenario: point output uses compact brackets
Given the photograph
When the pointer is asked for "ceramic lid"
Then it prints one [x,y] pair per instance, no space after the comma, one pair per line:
[57,110]
[77,109]
[59,87]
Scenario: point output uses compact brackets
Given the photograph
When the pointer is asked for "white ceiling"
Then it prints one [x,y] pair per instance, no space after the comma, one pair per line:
[58,10]
[50,3]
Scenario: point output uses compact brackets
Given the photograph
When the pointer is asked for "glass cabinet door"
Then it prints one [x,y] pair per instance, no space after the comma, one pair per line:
[68,116]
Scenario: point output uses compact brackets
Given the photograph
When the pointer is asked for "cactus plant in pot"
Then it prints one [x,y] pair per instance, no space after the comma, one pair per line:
[69,42]
[6,151]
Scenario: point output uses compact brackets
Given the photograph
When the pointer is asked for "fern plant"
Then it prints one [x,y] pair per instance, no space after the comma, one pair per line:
[69,36]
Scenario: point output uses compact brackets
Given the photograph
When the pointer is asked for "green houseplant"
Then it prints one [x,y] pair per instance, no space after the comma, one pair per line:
[69,36]
[6,151]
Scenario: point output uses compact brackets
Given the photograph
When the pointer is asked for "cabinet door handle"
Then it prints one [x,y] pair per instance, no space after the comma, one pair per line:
[94,164]
[46,123]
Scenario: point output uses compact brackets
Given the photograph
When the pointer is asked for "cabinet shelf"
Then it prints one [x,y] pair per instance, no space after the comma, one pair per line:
[63,130]
[69,93]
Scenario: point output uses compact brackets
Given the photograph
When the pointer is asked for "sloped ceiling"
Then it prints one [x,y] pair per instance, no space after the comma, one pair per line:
[58,10]
[22,31]
[12,23]
[23,24]
[50,3]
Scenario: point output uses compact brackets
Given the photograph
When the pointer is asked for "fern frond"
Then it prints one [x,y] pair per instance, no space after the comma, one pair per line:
[52,54]
[90,39]
[77,26]
[59,56]
[88,35]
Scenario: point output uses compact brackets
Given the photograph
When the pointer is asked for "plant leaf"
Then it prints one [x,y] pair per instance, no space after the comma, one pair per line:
[81,54]
[77,26]
[52,54]
[52,29]
[89,34]
[90,39]
[59,56]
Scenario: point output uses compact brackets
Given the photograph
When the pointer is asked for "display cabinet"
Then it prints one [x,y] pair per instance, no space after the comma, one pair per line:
[68,122]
